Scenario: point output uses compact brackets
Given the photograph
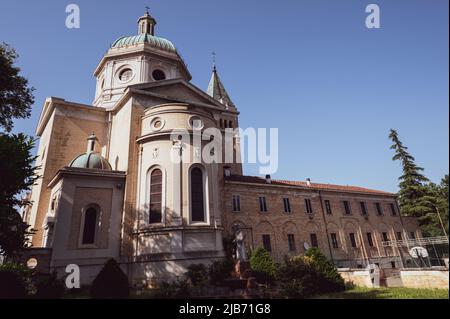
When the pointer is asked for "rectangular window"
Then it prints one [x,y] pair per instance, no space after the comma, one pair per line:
[363,208]
[236,203]
[393,264]
[412,235]
[287,205]
[266,242]
[262,204]
[352,240]
[393,210]
[369,239]
[399,235]
[291,242]
[385,236]
[334,241]
[347,209]
[379,209]
[314,242]
[308,206]
[328,207]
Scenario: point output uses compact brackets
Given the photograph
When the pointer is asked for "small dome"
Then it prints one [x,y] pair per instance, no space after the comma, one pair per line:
[154,41]
[90,160]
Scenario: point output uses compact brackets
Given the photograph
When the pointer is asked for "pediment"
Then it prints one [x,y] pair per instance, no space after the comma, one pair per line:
[173,91]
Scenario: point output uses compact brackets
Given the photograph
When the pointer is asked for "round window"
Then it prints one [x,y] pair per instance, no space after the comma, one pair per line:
[196,123]
[125,75]
[156,124]
[158,75]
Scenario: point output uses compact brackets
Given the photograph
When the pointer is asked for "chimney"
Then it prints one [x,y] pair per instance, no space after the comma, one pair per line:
[308,182]
[268,179]
[227,171]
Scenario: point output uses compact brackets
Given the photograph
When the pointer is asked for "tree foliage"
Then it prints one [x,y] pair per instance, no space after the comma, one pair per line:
[18,175]
[16,97]
[417,195]
[262,265]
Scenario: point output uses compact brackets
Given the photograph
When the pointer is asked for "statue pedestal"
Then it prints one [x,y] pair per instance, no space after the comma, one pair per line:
[240,267]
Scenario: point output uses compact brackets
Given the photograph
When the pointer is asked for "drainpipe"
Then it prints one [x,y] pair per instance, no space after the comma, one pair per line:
[326,228]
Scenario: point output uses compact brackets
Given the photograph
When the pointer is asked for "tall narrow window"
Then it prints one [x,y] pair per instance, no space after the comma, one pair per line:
[236,203]
[197,202]
[90,221]
[287,205]
[266,242]
[363,208]
[369,239]
[352,240]
[399,235]
[291,242]
[308,206]
[334,241]
[314,242]
[385,236]
[347,209]
[379,209]
[155,215]
[262,204]
[412,235]
[328,207]
[393,210]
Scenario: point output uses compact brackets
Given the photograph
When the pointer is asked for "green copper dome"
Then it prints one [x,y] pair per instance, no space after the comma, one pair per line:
[154,41]
[90,160]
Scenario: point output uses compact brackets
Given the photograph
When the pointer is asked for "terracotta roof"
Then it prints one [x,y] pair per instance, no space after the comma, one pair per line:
[318,186]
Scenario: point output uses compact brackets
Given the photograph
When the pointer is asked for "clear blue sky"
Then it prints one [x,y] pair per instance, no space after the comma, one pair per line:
[310,68]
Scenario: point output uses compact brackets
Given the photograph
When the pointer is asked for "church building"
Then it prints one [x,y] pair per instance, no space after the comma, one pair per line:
[109,187]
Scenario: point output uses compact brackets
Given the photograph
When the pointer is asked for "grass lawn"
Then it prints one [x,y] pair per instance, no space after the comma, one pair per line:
[387,293]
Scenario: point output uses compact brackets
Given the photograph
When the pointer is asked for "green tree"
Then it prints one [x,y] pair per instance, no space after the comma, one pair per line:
[16,97]
[436,219]
[17,172]
[412,181]
[16,160]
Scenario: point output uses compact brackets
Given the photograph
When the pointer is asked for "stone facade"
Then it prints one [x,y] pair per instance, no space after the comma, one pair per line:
[108,203]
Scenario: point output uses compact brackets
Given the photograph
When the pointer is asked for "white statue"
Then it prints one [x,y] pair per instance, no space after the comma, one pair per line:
[240,247]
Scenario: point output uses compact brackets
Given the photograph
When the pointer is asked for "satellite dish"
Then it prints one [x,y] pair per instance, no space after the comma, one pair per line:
[306,245]
[418,252]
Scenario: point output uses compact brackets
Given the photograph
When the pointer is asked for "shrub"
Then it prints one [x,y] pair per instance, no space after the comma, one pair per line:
[14,281]
[263,266]
[220,270]
[197,274]
[303,276]
[177,289]
[111,282]
[331,279]
[50,287]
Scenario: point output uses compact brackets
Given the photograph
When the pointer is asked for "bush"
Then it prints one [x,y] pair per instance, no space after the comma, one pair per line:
[177,289]
[303,276]
[50,287]
[263,266]
[111,282]
[197,274]
[331,279]
[14,281]
[220,270]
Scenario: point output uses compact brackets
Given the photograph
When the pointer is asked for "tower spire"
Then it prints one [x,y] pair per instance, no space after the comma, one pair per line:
[216,88]
[146,23]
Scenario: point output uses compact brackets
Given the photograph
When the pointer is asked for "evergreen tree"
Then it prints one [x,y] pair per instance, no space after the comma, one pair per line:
[412,182]
[436,219]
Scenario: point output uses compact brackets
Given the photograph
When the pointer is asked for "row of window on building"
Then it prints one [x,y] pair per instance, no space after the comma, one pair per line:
[266,240]
[347,208]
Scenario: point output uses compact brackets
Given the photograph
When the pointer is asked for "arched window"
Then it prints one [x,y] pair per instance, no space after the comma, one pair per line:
[197,203]
[155,196]
[90,221]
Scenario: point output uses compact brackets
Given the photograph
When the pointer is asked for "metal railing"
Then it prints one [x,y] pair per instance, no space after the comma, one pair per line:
[416,242]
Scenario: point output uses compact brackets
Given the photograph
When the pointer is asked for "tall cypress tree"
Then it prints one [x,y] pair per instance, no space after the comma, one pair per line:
[412,182]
